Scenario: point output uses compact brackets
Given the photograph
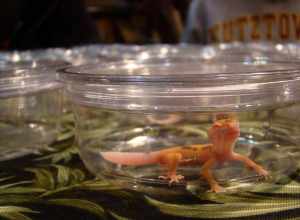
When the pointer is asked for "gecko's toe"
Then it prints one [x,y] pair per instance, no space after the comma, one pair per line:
[163,177]
[263,173]
[175,179]
[217,189]
[180,177]
[172,178]
[265,177]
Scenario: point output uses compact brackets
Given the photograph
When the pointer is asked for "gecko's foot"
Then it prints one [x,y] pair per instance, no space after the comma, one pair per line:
[263,173]
[217,188]
[172,178]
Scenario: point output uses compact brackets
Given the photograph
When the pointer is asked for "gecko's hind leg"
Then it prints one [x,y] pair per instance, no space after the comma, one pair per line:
[171,161]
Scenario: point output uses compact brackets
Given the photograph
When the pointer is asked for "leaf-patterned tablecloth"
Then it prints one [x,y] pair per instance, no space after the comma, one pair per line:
[54,184]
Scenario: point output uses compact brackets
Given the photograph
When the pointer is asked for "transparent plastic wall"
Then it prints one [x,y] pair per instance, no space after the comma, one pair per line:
[30,107]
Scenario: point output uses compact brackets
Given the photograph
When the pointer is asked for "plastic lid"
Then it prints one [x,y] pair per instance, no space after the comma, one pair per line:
[246,51]
[120,52]
[228,51]
[6,65]
[184,86]
[75,56]
[23,77]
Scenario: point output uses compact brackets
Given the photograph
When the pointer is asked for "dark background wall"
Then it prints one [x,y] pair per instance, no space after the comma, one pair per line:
[30,24]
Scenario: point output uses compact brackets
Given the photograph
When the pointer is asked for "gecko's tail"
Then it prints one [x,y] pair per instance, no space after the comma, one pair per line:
[130,158]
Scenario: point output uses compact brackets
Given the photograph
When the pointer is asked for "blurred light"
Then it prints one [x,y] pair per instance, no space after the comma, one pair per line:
[131,67]
[144,56]
[16,57]
[34,64]
[164,50]
[279,47]
[68,52]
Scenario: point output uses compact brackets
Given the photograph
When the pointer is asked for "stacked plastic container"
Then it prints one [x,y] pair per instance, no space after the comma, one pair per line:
[30,106]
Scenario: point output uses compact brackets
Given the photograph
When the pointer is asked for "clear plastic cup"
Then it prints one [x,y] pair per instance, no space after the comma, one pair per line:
[210,125]
[30,106]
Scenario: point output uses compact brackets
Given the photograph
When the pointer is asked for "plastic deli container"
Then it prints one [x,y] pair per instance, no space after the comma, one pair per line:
[210,125]
[30,106]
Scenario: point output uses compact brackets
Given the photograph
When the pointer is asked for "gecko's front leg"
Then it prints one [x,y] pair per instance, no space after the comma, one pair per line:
[171,161]
[208,176]
[251,164]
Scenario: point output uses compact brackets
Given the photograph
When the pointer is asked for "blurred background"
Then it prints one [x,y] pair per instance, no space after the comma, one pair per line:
[28,24]
[139,22]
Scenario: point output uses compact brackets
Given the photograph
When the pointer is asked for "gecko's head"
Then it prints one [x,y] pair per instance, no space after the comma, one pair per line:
[227,130]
